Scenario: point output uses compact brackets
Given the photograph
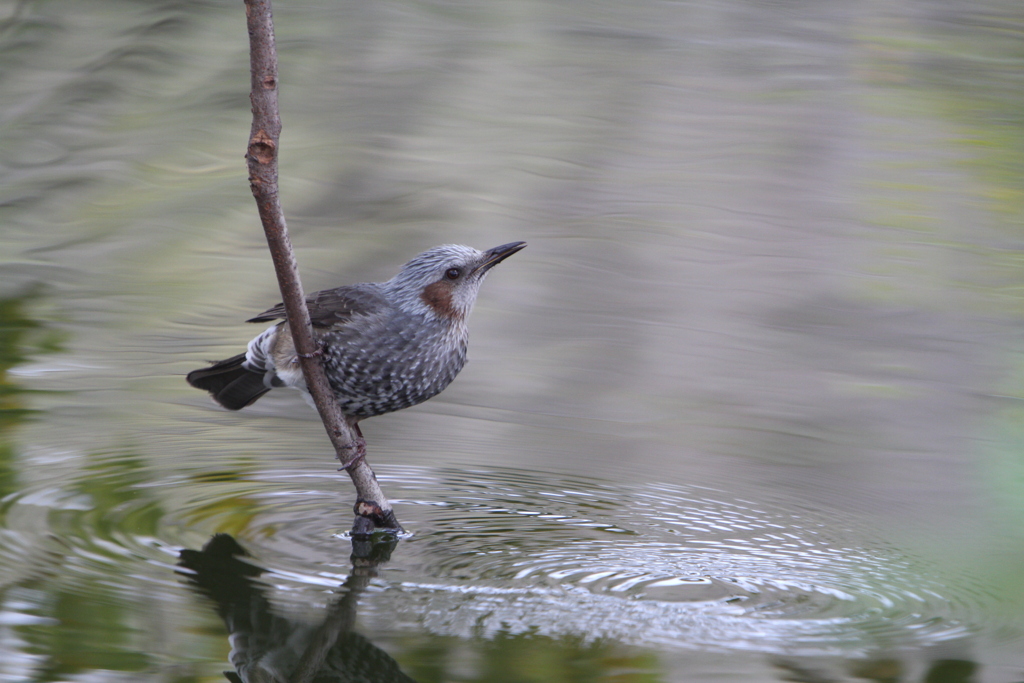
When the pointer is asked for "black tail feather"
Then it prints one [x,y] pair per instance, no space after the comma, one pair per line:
[230,384]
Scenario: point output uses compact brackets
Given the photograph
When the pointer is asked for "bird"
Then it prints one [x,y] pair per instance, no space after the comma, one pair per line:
[384,346]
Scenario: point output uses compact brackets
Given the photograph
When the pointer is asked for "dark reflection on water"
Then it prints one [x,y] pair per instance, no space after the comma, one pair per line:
[266,646]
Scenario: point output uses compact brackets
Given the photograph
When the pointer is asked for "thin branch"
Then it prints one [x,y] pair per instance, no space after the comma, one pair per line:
[372,508]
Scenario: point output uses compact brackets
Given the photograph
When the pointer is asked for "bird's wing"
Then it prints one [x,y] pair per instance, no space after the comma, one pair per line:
[334,306]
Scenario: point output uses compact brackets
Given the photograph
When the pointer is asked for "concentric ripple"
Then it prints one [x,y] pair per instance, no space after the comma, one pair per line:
[684,566]
[522,552]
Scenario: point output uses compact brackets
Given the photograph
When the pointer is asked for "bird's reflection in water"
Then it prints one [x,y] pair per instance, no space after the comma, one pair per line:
[267,647]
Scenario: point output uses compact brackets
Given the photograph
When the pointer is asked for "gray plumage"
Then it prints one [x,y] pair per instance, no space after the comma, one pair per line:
[386,346]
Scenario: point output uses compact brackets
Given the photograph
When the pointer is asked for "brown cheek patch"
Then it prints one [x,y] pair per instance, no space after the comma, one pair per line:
[439,297]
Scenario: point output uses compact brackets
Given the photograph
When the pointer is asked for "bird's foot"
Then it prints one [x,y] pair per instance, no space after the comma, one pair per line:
[317,353]
[356,452]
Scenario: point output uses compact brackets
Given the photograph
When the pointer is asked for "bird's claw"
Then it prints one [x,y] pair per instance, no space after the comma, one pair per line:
[358,456]
[316,354]
[353,461]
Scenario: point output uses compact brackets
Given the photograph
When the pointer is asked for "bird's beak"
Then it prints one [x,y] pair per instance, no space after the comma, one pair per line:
[493,257]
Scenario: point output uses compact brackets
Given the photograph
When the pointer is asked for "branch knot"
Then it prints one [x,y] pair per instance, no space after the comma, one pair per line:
[262,148]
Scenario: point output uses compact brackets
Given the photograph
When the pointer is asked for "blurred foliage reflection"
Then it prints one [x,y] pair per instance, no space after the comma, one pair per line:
[21,338]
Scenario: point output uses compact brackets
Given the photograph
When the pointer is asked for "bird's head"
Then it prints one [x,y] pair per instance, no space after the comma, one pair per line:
[443,282]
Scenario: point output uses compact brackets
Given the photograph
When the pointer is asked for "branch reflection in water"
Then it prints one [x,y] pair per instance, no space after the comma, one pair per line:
[270,647]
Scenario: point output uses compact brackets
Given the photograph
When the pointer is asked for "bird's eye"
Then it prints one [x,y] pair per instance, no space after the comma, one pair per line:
[453,273]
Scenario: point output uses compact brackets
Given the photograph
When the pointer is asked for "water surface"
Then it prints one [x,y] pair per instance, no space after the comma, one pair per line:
[747,408]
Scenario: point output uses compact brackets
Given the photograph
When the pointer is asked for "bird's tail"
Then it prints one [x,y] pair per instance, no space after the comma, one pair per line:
[229,382]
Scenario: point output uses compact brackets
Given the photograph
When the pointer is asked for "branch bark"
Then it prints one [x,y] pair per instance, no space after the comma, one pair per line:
[372,508]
